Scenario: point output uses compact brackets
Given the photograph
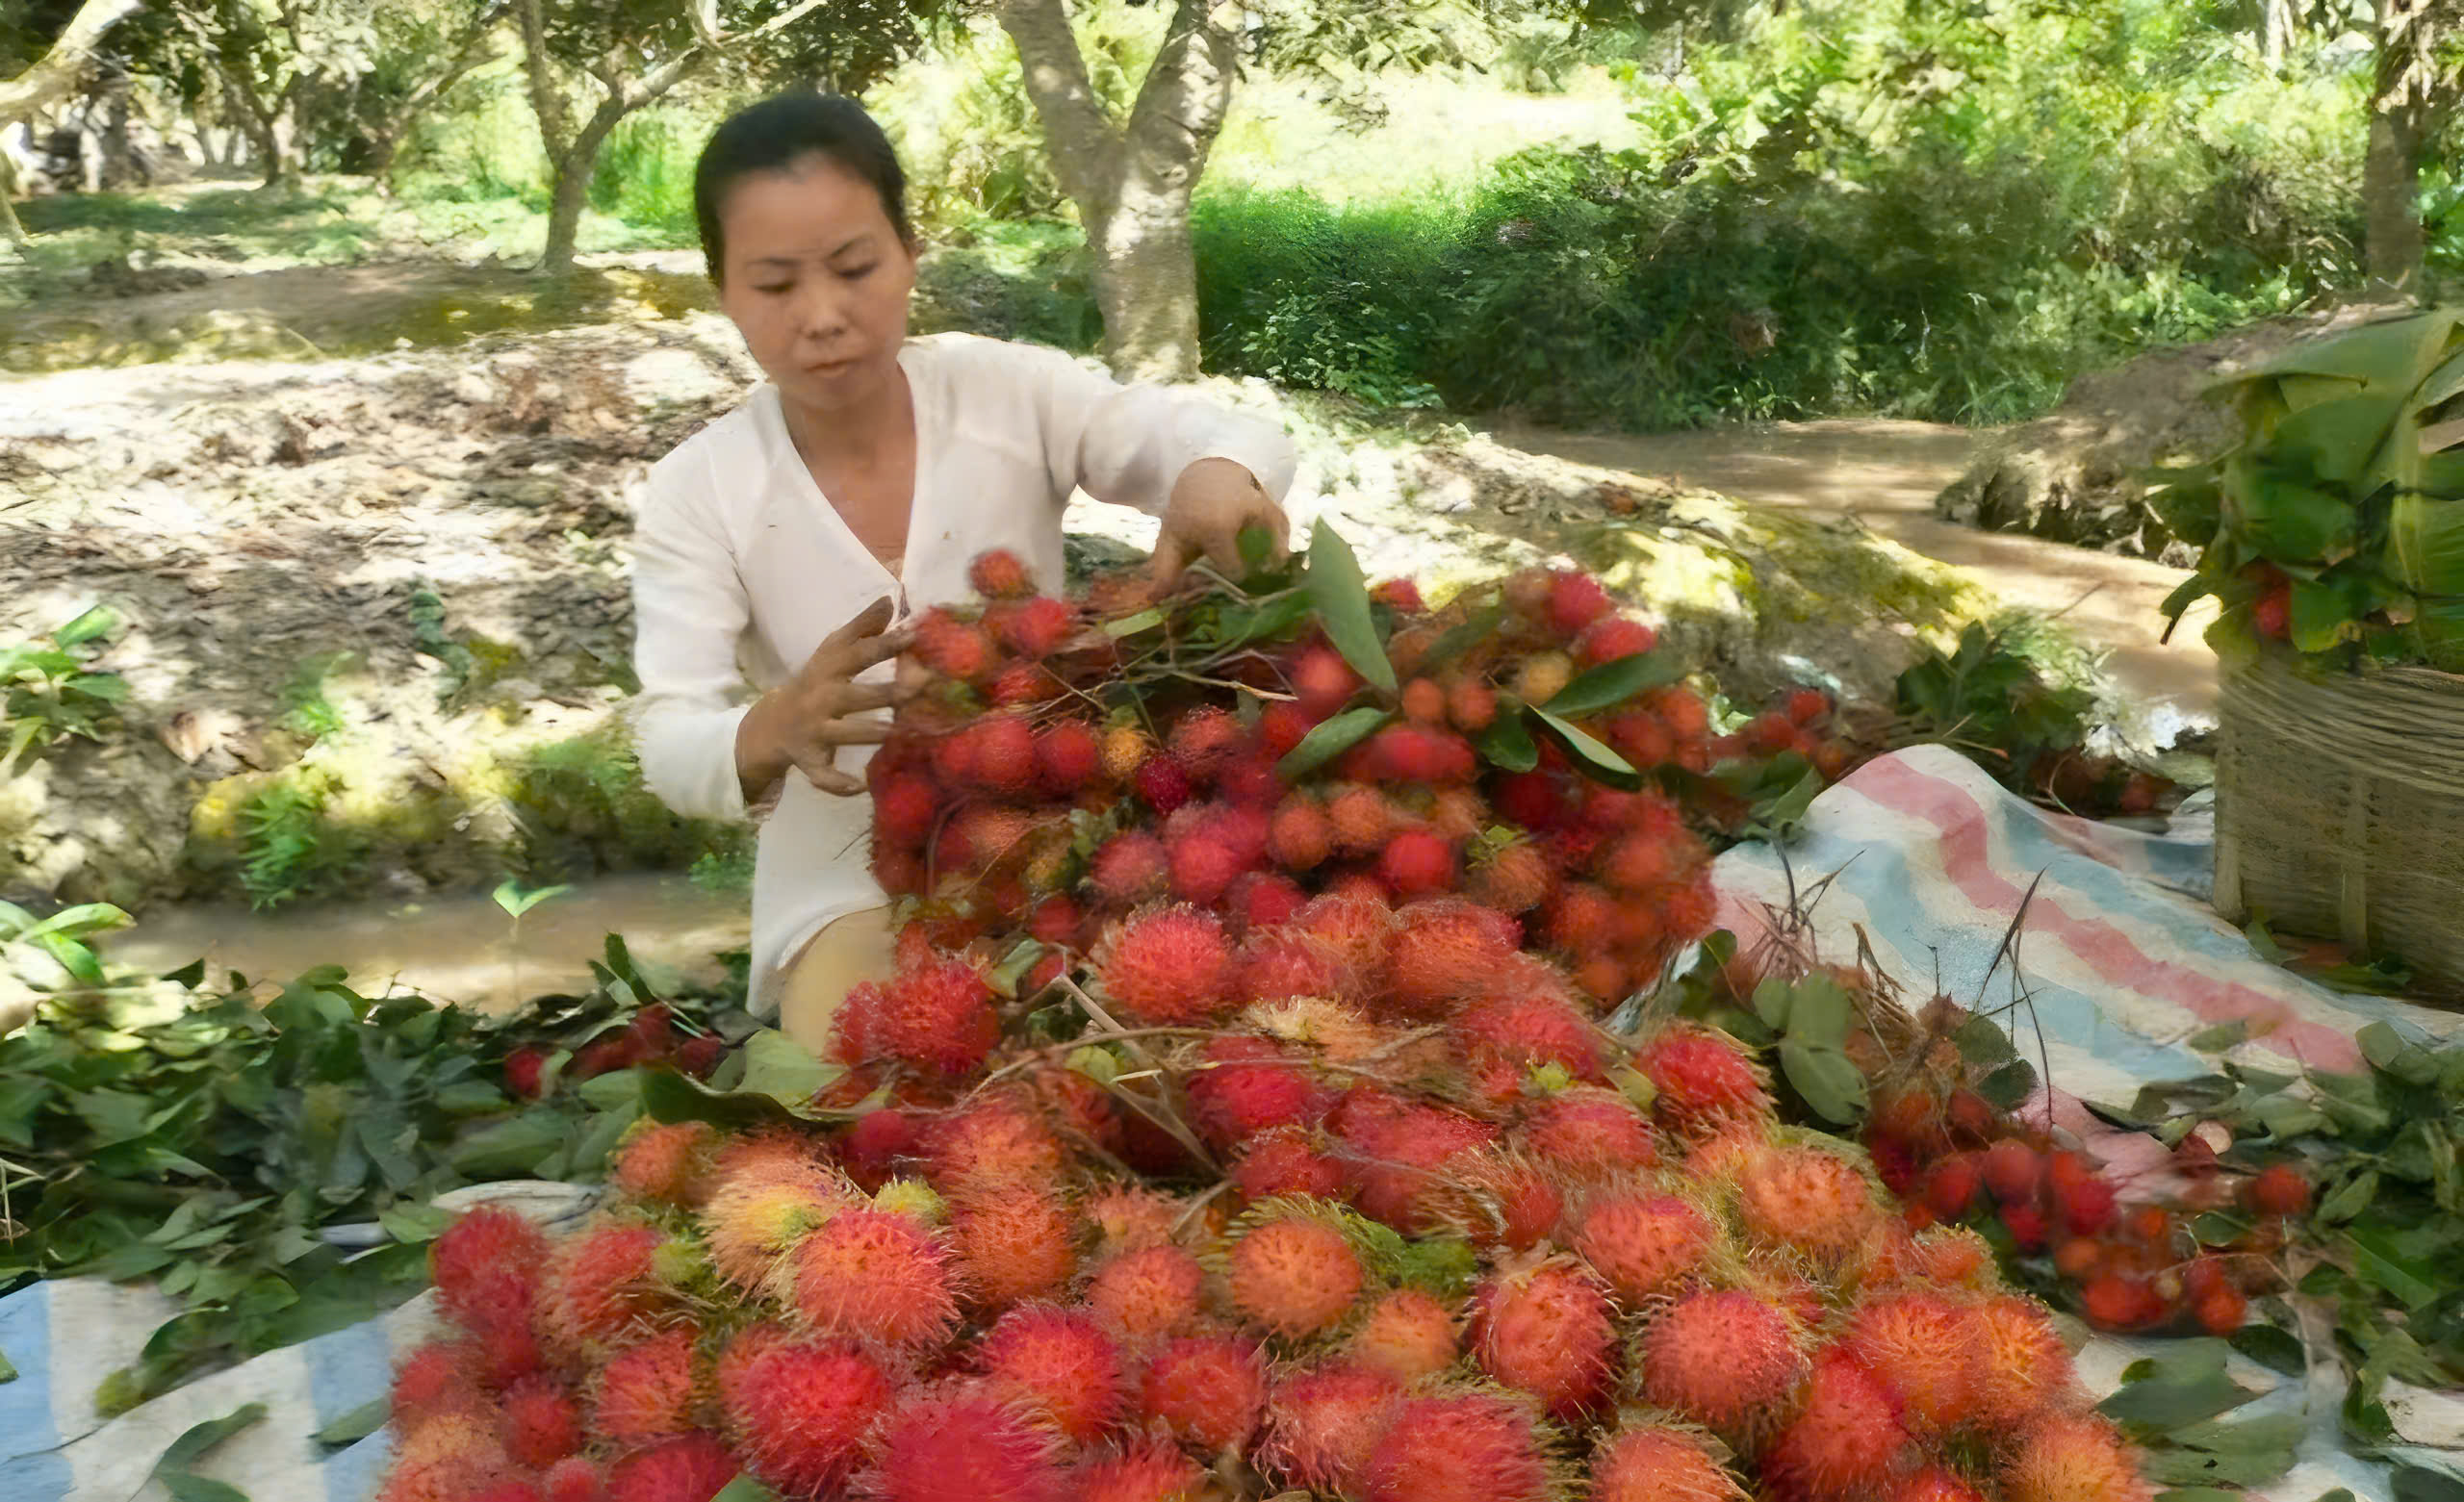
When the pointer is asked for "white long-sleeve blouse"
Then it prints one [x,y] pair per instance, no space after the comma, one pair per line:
[741,565]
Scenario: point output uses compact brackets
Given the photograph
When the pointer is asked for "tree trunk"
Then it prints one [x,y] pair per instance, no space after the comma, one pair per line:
[2390,178]
[571,194]
[9,225]
[1133,184]
[55,73]
[2275,29]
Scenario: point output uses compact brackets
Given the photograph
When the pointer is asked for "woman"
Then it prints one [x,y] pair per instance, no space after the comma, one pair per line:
[785,544]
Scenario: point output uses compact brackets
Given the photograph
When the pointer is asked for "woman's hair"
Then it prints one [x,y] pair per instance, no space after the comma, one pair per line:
[776,134]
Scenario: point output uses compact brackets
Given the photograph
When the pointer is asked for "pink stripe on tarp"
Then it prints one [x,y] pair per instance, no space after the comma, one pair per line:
[2106,949]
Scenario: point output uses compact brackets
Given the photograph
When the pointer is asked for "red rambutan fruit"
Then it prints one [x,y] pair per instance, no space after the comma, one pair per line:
[1322,681]
[476,1258]
[1587,1132]
[1247,1087]
[1611,637]
[1170,967]
[1417,862]
[542,1422]
[599,1283]
[1005,752]
[1286,1160]
[1149,1295]
[523,1070]
[1393,1159]
[1266,900]
[1531,1029]
[1204,865]
[1846,1439]
[995,1138]
[800,1409]
[1808,1198]
[1063,1363]
[1209,1390]
[1580,921]
[1361,933]
[1130,868]
[938,1017]
[756,1213]
[666,1162]
[1034,628]
[1301,837]
[1407,1334]
[1640,1243]
[1500,1198]
[1513,879]
[1423,702]
[1282,726]
[1471,705]
[1023,683]
[433,1379]
[1162,782]
[1321,1423]
[1703,1078]
[1015,1240]
[1445,951]
[1656,1462]
[1068,755]
[870,1275]
[1056,920]
[1722,1358]
[997,573]
[953,647]
[645,1392]
[574,1479]
[957,1442]
[1360,819]
[2065,1458]
[1204,740]
[692,1468]
[1576,601]
[1922,1348]
[1295,1275]
[1548,1331]
[1151,1471]
[1467,1447]
[1935,1484]
[2023,1365]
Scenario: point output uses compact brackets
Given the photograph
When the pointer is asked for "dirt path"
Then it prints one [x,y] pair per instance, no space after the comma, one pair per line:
[1887,473]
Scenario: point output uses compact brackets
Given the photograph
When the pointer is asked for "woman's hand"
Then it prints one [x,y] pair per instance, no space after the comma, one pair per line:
[802,722]
[1212,501]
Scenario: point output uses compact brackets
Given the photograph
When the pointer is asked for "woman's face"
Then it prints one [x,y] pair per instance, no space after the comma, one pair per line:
[816,279]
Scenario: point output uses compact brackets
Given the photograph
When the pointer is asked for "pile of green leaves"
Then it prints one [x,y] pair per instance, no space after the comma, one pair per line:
[48,692]
[205,1138]
[2330,525]
[2374,1268]
[1994,703]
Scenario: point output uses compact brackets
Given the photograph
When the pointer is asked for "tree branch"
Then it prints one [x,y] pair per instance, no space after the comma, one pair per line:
[1085,146]
[1182,101]
[546,101]
[54,74]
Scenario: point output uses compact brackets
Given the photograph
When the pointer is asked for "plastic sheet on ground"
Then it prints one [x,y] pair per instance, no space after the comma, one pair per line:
[1921,853]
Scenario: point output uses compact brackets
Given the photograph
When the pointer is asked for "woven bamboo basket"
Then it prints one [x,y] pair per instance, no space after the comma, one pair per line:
[2340,811]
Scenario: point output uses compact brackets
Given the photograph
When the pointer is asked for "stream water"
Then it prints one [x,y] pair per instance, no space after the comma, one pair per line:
[466,950]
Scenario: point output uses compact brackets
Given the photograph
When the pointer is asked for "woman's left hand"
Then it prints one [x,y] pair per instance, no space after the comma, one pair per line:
[1212,502]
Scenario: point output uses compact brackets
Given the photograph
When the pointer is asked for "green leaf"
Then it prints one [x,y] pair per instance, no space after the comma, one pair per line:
[191,1445]
[99,620]
[2421,1484]
[1785,814]
[780,1067]
[1833,1086]
[1819,1013]
[1131,624]
[1615,683]
[2268,1432]
[1772,998]
[1340,591]
[186,1486]
[516,902]
[2009,1086]
[1597,761]
[2350,1200]
[508,1149]
[2322,615]
[2193,1467]
[2220,1038]
[357,1425]
[2376,1262]
[745,1489]
[1330,739]
[2273,1348]
[2391,1053]
[1981,1040]
[607,1091]
[1508,744]
[1256,547]
[8,1368]
[2159,1405]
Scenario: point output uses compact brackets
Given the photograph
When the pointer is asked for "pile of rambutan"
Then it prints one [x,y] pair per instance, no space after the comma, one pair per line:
[1249,1113]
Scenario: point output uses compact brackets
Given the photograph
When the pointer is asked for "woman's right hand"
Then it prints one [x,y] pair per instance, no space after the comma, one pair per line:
[802,722]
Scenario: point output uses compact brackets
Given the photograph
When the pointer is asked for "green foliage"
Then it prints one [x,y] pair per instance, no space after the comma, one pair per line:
[1995,701]
[204,1139]
[2330,507]
[645,172]
[288,847]
[306,710]
[49,693]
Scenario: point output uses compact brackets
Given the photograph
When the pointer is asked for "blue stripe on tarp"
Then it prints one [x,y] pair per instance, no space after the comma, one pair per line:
[355,1474]
[31,1467]
[346,1370]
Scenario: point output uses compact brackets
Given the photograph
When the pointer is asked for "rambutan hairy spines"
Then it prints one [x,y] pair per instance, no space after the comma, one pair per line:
[1130,868]
[755,1215]
[998,573]
[689,1467]
[1807,1198]
[1643,1242]
[1846,1439]
[872,1276]
[1546,1329]
[1286,1160]
[1723,1359]
[957,1440]
[1587,1132]
[1015,1240]
[646,1391]
[1659,1463]
[1060,1360]
[997,1137]
[1242,1085]
[2066,1457]
[433,1379]
[574,1479]
[2023,1366]
[1149,1295]
[1458,1447]
[1169,966]
[1149,1472]
[1407,1334]
[600,1283]
[800,1411]
[1703,1078]
[1292,1269]
[1923,1348]
[473,1260]
[1321,1422]
[1209,1390]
